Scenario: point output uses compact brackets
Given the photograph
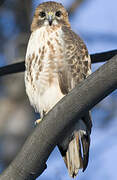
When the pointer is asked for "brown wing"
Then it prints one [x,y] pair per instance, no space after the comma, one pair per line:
[77,60]
[78,67]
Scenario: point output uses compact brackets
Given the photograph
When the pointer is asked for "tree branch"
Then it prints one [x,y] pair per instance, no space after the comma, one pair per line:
[102,57]
[20,66]
[30,162]
[12,68]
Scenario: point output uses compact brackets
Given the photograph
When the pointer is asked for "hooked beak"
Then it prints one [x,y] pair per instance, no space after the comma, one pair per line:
[50,18]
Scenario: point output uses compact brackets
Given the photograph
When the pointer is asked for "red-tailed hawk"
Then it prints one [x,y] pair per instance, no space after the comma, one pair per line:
[56,61]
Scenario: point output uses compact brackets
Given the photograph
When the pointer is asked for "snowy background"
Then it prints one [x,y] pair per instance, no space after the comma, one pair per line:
[96,22]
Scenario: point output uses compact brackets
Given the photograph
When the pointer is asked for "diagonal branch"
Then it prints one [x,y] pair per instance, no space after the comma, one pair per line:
[20,66]
[30,162]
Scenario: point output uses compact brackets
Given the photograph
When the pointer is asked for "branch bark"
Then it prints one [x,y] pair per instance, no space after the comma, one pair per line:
[20,66]
[31,160]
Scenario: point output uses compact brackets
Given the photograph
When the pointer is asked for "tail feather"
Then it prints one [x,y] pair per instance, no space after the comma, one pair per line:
[75,147]
[85,145]
[73,157]
[77,153]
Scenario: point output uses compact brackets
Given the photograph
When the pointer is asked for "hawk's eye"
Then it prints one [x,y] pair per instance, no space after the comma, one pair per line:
[42,14]
[58,13]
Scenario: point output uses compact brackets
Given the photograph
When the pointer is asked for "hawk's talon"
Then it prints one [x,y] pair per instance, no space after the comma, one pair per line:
[38,121]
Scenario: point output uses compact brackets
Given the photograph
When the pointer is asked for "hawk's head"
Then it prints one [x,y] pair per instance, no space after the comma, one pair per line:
[50,14]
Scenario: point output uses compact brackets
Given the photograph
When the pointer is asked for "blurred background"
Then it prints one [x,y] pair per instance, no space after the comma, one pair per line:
[96,22]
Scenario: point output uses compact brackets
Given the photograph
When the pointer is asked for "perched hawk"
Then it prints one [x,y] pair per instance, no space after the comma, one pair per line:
[56,61]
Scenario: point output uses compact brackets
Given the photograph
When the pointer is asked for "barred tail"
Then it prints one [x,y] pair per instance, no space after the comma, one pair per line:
[75,147]
[77,154]
[73,159]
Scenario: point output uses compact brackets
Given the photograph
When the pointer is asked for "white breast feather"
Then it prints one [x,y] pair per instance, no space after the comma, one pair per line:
[44,96]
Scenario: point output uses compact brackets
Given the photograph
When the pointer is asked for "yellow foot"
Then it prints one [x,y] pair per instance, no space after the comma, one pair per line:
[37,121]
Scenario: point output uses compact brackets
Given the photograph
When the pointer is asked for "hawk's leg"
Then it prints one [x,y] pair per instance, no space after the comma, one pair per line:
[39,120]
